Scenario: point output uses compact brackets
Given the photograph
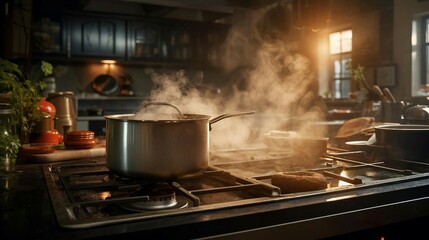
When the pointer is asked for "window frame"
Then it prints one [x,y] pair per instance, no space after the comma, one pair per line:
[344,74]
[424,44]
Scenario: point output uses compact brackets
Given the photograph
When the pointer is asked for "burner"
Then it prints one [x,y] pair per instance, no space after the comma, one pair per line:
[110,177]
[160,196]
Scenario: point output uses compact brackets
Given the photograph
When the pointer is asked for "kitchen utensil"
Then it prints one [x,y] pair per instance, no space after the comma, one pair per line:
[379,93]
[388,94]
[159,149]
[370,141]
[354,127]
[405,141]
[363,145]
[105,84]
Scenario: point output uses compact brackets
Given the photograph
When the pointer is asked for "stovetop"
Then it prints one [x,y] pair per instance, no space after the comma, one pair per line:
[85,194]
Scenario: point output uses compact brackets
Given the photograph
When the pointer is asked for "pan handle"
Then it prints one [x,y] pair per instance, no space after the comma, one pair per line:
[182,116]
[220,117]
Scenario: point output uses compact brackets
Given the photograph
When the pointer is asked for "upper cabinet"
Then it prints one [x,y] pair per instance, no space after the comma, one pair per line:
[209,43]
[84,36]
[97,37]
[180,41]
[144,41]
[49,36]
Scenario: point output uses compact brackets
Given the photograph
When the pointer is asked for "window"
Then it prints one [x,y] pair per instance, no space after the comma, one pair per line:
[341,51]
[425,62]
[420,55]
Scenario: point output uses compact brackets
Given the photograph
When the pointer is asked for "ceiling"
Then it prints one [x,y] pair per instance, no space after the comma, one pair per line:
[201,10]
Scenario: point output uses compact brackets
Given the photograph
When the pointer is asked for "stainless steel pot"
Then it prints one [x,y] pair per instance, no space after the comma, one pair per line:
[405,142]
[159,149]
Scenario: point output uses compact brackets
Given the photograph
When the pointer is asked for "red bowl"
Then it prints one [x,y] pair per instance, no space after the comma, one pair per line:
[52,137]
[80,140]
[30,149]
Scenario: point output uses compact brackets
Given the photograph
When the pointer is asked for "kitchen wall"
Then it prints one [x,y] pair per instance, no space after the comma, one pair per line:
[404,12]
[79,77]
[374,44]
[370,43]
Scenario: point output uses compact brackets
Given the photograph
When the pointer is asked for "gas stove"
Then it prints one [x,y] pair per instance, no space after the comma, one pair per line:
[86,194]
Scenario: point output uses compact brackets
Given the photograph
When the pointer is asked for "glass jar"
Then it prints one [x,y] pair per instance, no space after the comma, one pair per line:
[9,142]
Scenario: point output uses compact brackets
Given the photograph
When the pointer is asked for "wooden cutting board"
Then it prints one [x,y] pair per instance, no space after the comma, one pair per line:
[354,126]
[66,154]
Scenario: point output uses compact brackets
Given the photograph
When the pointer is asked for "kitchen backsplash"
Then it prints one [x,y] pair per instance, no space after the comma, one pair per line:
[78,78]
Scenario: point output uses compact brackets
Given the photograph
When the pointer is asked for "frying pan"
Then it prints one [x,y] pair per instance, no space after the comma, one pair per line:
[405,141]
[105,84]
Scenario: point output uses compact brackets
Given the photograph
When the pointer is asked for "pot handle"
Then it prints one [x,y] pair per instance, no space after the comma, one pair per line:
[182,116]
[220,117]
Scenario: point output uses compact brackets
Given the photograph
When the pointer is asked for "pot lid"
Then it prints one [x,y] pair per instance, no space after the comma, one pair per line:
[80,133]
[419,112]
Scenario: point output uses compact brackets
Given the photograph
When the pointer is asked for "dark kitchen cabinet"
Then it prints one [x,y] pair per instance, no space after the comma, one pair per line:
[180,43]
[84,36]
[199,44]
[100,37]
[144,41]
[160,41]
[16,22]
[209,43]
[50,36]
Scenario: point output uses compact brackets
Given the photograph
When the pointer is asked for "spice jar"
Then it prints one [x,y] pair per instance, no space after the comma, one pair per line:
[80,139]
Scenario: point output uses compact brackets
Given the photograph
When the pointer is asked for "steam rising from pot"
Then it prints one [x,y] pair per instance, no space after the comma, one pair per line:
[279,87]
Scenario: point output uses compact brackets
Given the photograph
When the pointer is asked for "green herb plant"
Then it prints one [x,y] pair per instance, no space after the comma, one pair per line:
[23,94]
[9,146]
[359,76]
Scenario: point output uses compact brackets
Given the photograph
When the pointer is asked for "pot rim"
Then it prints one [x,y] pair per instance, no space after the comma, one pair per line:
[405,127]
[128,118]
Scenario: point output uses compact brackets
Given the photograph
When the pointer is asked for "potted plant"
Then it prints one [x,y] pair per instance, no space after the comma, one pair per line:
[23,94]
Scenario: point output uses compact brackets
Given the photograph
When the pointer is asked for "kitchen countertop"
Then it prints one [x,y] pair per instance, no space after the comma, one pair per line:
[25,205]
[26,213]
